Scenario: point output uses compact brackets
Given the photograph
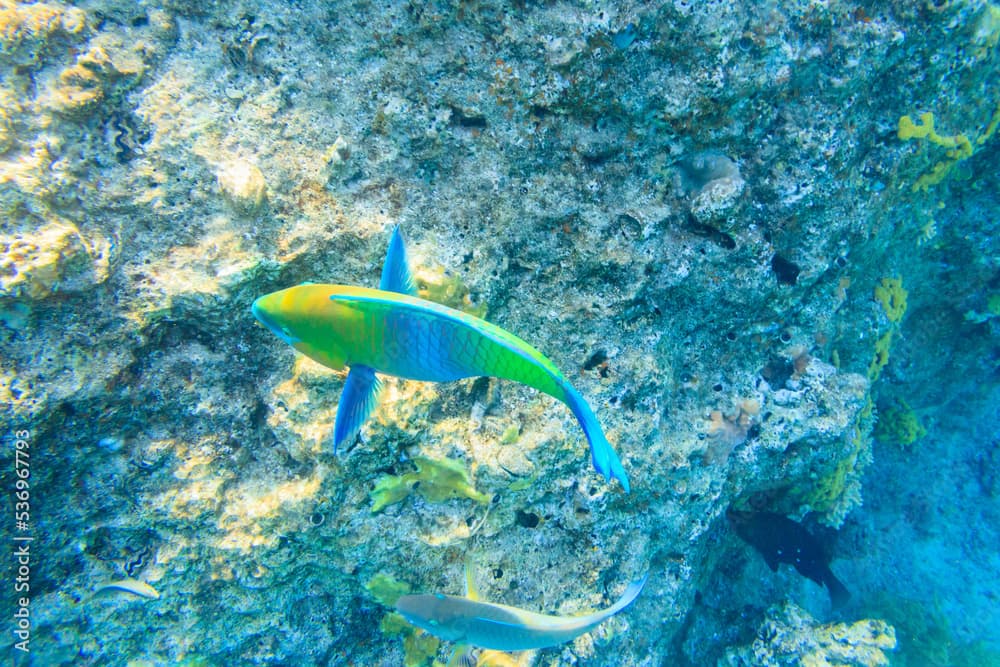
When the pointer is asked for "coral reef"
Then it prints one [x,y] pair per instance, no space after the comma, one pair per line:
[701,212]
[791,636]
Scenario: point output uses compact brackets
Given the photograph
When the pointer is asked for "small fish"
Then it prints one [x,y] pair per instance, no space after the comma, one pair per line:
[391,331]
[624,37]
[133,586]
[781,540]
[466,620]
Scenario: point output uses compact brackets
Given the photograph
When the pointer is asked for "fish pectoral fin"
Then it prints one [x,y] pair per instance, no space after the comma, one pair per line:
[396,275]
[839,595]
[462,656]
[771,560]
[357,401]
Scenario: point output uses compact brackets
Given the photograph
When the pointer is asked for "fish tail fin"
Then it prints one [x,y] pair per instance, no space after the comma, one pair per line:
[839,595]
[631,593]
[628,597]
[605,458]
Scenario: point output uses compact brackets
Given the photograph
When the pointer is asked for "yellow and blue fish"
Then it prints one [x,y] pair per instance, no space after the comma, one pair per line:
[393,332]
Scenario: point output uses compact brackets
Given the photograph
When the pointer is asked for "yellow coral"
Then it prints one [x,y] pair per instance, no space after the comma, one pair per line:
[836,492]
[881,357]
[959,146]
[89,81]
[892,296]
[910,130]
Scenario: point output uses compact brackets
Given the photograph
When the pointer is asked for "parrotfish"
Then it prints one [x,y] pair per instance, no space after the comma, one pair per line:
[467,620]
[391,331]
[781,540]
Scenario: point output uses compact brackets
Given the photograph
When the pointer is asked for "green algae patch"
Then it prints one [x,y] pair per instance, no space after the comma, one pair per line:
[390,490]
[438,286]
[387,589]
[435,480]
[510,435]
[898,423]
[523,483]
[419,648]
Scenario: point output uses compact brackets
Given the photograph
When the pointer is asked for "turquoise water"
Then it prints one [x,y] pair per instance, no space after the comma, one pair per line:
[759,239]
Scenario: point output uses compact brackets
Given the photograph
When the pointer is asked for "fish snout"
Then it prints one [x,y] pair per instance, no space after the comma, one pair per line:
[414,609]
[263,314]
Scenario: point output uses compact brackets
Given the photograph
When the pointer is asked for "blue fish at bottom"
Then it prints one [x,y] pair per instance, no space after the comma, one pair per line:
[466,620]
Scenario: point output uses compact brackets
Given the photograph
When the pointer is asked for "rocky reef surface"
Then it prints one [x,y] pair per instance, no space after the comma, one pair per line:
[745,231]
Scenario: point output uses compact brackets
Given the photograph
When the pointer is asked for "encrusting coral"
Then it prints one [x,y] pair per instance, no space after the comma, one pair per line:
[790,635]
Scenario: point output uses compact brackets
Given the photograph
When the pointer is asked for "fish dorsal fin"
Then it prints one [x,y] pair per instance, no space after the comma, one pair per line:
[357,400]
[471,591]
[396,276]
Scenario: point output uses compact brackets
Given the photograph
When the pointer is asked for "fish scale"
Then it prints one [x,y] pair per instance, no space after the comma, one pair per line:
[446,349]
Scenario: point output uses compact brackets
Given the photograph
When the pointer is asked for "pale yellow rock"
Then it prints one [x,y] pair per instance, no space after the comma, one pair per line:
[9,108]
[243,185]
[34,265]
[26,28]
[79,88]
[337,155]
